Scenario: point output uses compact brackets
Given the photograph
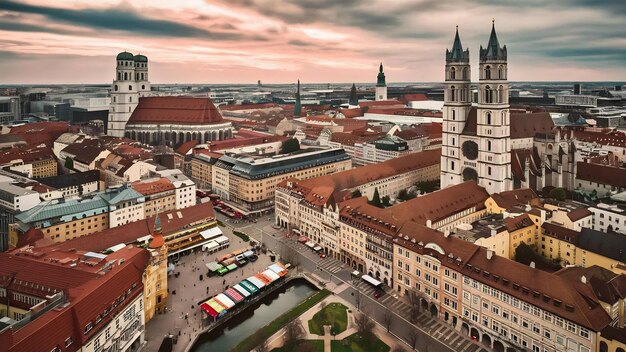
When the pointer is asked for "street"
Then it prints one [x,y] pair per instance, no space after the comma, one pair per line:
[430,334]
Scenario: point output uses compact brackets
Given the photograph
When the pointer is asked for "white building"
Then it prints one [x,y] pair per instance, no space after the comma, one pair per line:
[185,190]
[130,84]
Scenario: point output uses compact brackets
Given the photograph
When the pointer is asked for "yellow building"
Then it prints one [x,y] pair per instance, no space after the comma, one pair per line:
[585,248]
[155,275]
[499,203]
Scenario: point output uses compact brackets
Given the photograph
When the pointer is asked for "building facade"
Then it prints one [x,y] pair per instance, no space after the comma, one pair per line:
[248,183]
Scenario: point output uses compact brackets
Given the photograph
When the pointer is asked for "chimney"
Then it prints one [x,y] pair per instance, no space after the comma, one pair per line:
[489,254]
[583,279]
[532,265]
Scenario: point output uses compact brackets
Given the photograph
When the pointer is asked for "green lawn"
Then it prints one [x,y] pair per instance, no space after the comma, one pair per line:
[334,314]
[359,344]
[317,344]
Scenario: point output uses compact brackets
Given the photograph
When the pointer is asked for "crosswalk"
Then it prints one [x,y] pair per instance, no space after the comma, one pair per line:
[435,328]
[331,265]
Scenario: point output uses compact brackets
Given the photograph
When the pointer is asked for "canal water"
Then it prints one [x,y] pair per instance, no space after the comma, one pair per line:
[227,336]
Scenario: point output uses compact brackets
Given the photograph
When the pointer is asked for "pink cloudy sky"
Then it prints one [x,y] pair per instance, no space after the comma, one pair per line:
[276,41]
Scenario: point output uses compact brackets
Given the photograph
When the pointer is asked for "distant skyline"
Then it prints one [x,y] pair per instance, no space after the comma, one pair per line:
[242,41]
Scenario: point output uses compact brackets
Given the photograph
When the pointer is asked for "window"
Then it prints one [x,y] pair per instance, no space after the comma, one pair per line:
[489,170]
[488,119]
[68,342]
[88,328]
[488,72]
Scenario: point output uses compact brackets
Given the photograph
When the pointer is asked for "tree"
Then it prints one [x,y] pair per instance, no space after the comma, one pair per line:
[558,194]
[357,300]
[386,201]
[402,195]
[293,333]
[364,324]
[412,337]
[289,146]
[376,199]
[388,319]
[414,304]
[69,163]
[356,193]
[306,346]
[524,254]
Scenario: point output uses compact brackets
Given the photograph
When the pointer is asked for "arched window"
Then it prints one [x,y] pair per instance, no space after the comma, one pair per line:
[501,72]
[130,87]
[130,99]
[488,118]
[453,114]
[125,76]
[453,73]
[143,86]
[487,72]
[115,88]
[129,109]
[619,349]
[119,76]
[488,95]
[137,76]
[465,73]
[604,347]
[114,100]
[452,93]
[500,94]
[489,145]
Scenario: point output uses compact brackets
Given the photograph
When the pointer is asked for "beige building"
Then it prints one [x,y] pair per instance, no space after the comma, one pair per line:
[248,183]
[505,305]
[160,195]
[583,248]
[367,232]
[310,206]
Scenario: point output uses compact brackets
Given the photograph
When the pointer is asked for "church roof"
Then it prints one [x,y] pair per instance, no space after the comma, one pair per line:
[523,125]
[493,51]
[457,54]
[175,110]
[380,80]
[125,55]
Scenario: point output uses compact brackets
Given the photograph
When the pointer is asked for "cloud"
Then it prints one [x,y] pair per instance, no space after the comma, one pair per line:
[121,18]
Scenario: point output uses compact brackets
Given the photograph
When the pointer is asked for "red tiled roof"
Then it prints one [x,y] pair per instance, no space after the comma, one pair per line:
[318,191]
[351,113]
[528,125]
[512,198]
[153,187]
[432,207]
[604,137]
[413,97]
[518,222]
[523,125]
[128,233]
[184,148]
[41,132]
[579,214]
[89,292]
[25,153]
[175,110]
[365,104]
[236,107]
[606,175]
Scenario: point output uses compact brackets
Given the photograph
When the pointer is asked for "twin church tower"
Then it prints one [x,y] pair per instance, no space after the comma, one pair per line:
[477,140]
